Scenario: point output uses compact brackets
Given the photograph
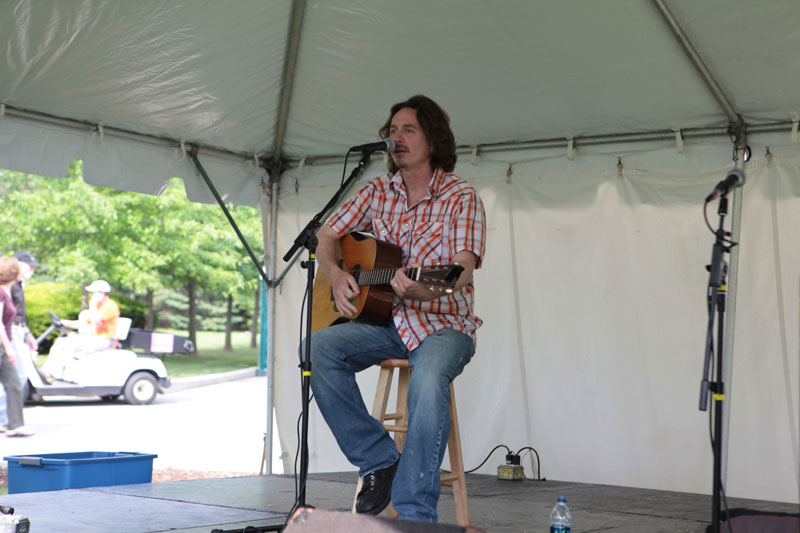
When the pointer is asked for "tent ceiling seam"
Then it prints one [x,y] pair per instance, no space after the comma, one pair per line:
[289,68]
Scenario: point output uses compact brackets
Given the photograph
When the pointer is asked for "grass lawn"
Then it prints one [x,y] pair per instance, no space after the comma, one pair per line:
[211,359]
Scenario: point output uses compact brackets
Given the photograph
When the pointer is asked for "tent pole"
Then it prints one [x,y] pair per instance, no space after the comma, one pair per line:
[273,238]
[266,332]
[266,260]
[268,343]
[730,315]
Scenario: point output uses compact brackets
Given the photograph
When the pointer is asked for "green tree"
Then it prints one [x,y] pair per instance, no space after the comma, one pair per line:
[139,243]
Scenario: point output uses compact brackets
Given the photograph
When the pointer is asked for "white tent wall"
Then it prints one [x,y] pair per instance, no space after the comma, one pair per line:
[593,293]
[765,400]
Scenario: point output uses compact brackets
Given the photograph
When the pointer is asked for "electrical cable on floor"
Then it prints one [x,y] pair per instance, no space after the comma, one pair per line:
[538,463]
[534,468]
[487,457]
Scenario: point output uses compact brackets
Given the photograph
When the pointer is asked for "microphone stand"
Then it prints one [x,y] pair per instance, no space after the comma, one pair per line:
[307,238]
[716,299]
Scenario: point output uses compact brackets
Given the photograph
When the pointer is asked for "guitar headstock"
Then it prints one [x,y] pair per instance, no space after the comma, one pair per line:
[441,275]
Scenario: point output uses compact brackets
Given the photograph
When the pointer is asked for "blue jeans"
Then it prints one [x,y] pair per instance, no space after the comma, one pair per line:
[338,352]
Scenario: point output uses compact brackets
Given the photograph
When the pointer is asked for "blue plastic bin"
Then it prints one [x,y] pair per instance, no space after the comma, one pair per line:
[56,471]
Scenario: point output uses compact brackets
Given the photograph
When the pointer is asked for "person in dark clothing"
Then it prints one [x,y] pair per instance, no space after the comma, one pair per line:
[19,328]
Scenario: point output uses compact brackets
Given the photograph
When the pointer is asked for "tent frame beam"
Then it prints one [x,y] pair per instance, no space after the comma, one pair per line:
[231,221]
[288,162]
[275,171]
[275,163]
[590,140]
[92,128]
[691,52]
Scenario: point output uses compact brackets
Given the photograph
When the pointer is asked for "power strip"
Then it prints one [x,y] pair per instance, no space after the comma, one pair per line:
[512,470]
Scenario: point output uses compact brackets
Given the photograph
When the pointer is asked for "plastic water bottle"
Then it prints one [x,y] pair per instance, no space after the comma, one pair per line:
[560,519]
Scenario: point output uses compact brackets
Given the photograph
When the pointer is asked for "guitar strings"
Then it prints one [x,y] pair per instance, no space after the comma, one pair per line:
[379,276]
[383,276]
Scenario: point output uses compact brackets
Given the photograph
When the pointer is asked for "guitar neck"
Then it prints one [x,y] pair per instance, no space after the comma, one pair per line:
[381,276]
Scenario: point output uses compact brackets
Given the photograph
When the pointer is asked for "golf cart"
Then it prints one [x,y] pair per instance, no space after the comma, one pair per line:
[106,373]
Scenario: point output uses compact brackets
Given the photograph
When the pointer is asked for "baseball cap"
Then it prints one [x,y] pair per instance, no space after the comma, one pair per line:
[27,257]
[99,285]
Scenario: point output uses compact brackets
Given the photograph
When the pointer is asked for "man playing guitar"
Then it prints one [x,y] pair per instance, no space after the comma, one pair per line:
[434,217]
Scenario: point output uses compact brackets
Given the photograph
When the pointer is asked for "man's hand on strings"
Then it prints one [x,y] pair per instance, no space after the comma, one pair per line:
[343,284]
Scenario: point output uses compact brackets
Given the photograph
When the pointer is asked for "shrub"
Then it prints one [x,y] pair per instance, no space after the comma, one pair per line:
[50,296]
[133,309]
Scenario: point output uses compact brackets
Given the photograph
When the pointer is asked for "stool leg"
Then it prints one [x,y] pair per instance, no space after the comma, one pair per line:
[403,377]
[378,409]
[263,458]
[382,393]
[457,465]
[403,380]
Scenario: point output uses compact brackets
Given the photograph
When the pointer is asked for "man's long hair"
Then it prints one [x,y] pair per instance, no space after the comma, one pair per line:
[435,124]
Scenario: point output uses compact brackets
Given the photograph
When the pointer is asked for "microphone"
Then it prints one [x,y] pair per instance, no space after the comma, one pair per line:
[735,178]
[385,145]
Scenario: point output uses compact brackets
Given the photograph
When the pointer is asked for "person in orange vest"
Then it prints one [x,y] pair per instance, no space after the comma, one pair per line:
[97,330]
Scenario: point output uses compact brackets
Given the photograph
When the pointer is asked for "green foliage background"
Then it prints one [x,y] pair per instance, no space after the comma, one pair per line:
[136,242]
[49,296]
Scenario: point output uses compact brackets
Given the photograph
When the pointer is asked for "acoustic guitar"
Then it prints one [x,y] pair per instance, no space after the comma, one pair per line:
[373,264]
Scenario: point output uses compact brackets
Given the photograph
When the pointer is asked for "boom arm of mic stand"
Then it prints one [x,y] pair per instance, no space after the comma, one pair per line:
[303,239]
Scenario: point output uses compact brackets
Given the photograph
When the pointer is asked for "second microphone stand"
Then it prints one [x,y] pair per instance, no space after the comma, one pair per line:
[717,290]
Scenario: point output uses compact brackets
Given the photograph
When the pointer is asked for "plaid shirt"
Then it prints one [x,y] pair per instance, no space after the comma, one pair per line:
[450,219]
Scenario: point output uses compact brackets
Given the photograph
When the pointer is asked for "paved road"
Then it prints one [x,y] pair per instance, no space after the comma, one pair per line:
[212,428]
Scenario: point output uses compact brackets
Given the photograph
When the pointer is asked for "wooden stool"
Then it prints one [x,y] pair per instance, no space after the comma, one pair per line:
[456,479]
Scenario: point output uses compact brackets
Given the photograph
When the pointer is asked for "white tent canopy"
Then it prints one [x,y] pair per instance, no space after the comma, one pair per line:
[592,130]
